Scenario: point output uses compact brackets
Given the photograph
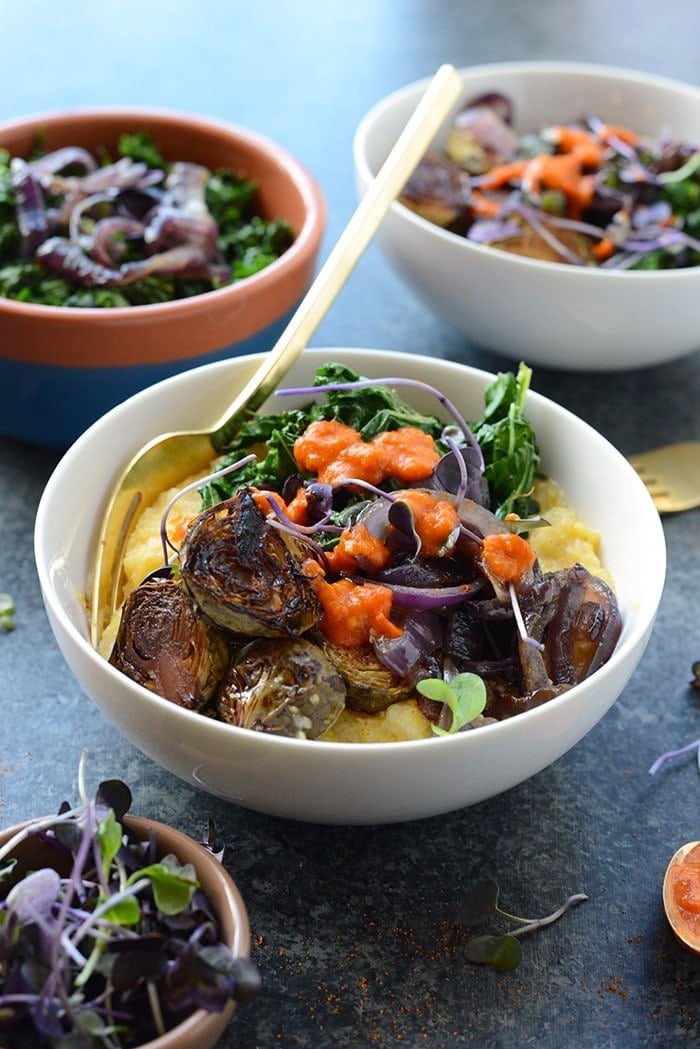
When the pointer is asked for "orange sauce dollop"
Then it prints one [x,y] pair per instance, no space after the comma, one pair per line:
[352,612]
[335,452]
[508,556]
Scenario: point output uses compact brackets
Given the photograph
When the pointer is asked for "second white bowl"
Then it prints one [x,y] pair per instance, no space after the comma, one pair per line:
[569,317]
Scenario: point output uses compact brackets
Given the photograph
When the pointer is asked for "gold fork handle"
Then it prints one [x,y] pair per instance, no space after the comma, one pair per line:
[414,140]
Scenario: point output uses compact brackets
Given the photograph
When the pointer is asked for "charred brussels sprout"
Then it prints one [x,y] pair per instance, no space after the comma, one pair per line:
[286,687]
[371,687]
[164,644]
[245,575]
[438,192]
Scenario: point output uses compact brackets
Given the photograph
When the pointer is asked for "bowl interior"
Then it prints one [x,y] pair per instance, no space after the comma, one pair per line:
[244,766]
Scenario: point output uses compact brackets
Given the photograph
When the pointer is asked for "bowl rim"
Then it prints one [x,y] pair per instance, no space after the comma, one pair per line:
[306,240]
[230,910]
[424,227]
[183,717]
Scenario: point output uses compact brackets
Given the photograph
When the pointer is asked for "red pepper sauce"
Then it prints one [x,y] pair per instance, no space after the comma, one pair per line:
[684,893]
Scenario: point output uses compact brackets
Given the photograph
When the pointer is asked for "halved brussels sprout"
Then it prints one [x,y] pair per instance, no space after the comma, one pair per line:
[438,192]
[245,575]
[165,645]
[282,686]
[370,685]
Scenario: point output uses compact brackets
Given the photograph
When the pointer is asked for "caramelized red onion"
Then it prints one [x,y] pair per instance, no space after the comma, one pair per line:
[168,217]
[31,215]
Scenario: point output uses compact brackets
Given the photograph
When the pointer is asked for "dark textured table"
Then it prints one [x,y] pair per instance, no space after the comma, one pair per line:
[354,929]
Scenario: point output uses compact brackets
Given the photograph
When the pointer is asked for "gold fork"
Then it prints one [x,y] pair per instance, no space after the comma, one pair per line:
[671,474]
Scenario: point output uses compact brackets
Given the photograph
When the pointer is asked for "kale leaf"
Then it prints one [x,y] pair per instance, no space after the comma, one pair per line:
[509,445]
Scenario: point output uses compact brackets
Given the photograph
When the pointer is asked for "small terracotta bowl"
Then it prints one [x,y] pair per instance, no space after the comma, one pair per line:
[201,1030]
[67,366]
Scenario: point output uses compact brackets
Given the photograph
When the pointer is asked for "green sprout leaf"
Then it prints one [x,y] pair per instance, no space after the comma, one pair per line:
[126,911]
[502,953]
[479,903]
[7,613]
[465,696]
[109,836]
[173,884]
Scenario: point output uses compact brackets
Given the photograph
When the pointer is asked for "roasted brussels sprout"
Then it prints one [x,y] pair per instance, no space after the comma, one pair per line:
[370,685]
[282,686]
[245,575]
[164,644]
[438,192]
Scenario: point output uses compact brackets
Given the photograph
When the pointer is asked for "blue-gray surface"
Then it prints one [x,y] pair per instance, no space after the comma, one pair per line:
[352,927]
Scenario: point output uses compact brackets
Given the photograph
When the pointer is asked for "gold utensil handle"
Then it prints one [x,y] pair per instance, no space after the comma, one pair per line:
[413,142]
[166,459]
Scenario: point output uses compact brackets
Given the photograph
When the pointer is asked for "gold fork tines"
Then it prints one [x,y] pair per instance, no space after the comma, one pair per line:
[671,474]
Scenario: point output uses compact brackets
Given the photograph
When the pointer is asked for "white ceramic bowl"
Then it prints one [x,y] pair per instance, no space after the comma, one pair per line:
[561,316]
[345,782]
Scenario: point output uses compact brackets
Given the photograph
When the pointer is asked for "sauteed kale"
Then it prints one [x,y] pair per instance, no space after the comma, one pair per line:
[91,230]
[357,553]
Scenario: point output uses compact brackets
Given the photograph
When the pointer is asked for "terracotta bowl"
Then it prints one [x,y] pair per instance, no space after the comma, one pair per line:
[67,366]
[201,1030]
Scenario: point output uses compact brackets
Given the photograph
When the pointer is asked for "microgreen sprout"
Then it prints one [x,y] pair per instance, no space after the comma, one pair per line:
[202,482]
[502,952]
[7,613]
[464,696]
[104,943]
[687,749]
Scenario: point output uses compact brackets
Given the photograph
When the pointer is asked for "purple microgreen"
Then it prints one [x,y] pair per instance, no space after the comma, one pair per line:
[210,841]
[443,470]
[297,529]
[534,219]
[62,938]
[34,896]
[416,384]
[115,795]
[356,482]
[619,145]
[503,952]
[194,486]
[687,749]
[520,622]
[465,698]
[402,518]
[490,231]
